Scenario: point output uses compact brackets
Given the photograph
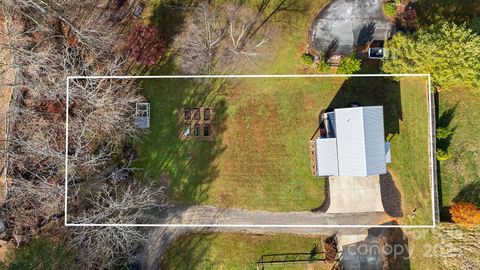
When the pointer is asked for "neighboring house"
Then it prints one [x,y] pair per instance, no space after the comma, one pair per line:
[344,27]
[353,143]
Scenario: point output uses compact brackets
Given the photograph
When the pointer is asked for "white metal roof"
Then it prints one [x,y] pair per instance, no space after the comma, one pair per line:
[350,141]
[374,134]
[360,143]
[326,150]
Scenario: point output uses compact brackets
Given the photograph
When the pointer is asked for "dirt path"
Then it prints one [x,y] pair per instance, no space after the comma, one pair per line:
[5,95]
[161,238]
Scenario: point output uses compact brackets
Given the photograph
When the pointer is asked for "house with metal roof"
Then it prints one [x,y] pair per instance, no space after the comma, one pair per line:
[353,143]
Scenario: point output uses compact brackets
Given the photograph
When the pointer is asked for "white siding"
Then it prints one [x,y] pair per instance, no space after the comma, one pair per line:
[326,154]
[350,141]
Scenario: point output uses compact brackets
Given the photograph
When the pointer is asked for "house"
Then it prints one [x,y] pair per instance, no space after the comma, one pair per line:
[346,27]
[353,143]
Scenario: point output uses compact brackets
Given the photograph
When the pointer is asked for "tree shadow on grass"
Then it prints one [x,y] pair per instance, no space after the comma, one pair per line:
[373,91]
[443,121]
[391,196]
[170,15]
[434,11]
[187,251]
[189,163]
[393,242]
[192,251]
[272,8]
[181,247]
[470,193]
[326,202]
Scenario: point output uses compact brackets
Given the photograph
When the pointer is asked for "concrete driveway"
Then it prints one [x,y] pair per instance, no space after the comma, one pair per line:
[344,24]
[354,194]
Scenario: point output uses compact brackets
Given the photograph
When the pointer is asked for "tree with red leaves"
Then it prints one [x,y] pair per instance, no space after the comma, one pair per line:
[146,44]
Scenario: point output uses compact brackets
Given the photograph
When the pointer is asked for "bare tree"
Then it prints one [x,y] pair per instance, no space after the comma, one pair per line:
[241,26]
[49,40]
[105,247]
[103,120]
[81,22]
[218,38]
[199,42]
[40,202]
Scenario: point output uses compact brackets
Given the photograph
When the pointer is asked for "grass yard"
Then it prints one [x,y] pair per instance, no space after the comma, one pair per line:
[411,154]
[459,109]
[198,171]
[445,247]
[292,20]
[259,158]
[236,251]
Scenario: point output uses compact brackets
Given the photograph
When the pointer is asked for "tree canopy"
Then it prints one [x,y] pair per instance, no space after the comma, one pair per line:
[449,52]
[465,214]
[349,65]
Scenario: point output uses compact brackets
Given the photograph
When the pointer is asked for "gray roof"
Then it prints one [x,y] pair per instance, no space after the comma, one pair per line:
[142,122]
[142,115]
[330,124]
[360,143]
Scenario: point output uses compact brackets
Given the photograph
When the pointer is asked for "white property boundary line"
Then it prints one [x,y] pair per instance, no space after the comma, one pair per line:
[432,161]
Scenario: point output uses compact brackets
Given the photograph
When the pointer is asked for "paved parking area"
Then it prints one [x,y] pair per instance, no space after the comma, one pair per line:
[363,255]
[354,194]
[344,24]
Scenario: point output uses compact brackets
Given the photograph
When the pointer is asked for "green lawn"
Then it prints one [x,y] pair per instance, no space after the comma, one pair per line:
[411,154]
[205,172]
[459,109]
[206,182]
[236,251]
[259,158]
